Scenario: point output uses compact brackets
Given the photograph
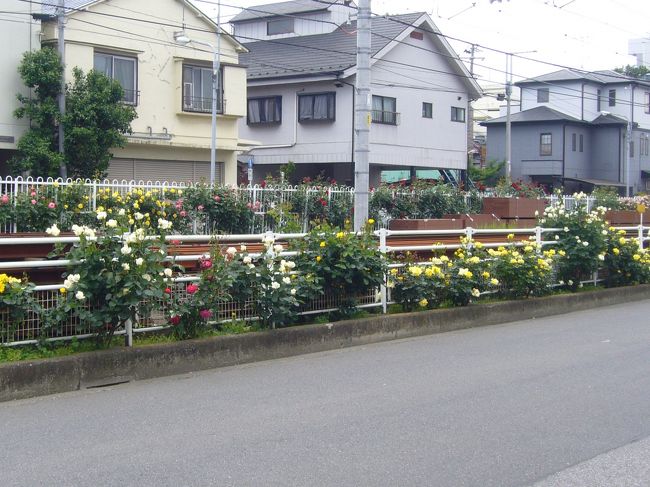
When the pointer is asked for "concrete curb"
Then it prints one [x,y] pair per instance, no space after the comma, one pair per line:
[20,380]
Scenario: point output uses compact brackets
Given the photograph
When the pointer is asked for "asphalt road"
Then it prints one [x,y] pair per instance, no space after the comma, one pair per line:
[563,401]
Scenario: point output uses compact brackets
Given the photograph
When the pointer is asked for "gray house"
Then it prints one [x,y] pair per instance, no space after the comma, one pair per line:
[301,74]
[578,130]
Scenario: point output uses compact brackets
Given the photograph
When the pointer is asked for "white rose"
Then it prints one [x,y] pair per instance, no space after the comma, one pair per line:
[247,260]
[126,267]
[101,215]
[111,223]
[278,248]
[138,216]
[293,291]
[53,230]
[122,212]
[242,248]
[231,251]
[139,261]
[146,277]
[126,250]
[168,272]
[80,295]
[286,280]
[275,285]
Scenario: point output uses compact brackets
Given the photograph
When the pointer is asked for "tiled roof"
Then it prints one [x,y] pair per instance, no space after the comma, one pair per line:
[50,6]
[537,114]
[282,8]
[603,77]
[321,53]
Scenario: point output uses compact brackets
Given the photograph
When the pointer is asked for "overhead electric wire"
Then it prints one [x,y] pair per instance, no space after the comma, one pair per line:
[405,65]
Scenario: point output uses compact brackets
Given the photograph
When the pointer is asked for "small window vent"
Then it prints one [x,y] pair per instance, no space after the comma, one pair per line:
[417,35]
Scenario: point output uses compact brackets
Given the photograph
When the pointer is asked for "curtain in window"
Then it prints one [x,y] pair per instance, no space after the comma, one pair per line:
[305,108]
[270,111]
[103,64]
[124,73]
[254,111]
[321,107]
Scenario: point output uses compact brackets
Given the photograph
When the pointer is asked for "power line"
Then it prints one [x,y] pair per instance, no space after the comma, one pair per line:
[392,18]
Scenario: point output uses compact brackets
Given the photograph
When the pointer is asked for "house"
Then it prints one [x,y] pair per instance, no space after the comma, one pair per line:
[578,130]
[20,34]
[301,63]
[169,84]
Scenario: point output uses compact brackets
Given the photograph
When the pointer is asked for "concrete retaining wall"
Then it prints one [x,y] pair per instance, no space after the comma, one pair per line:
[21,380]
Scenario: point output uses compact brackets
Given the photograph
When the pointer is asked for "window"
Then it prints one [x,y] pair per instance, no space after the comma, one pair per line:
[416,35]
[457,114]
[612,98]
[647,102]
[279,26]
[427,110]
[319,106]
[542,95]
[264,110]
[631,148]
[123,69]
[598,95]
[545,144]
[573,142]
[581,145]
[197,89]
[384,110]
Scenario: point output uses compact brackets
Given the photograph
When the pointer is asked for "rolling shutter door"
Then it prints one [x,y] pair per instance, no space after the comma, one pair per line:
[161,170]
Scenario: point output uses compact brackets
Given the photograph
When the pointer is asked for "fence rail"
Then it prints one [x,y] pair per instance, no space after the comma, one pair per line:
[28,331]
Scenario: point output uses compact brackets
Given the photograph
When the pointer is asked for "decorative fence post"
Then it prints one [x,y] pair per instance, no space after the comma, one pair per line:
[383,248]
[128,337]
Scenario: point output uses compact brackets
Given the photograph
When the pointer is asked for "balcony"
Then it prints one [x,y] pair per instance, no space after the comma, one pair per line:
[198,104]
[387,118]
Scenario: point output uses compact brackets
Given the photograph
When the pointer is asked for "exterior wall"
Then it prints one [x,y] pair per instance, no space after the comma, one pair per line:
[159,77]
[526,158]
[18,34]
[578,164]
[305,24]
[416,141]
[565,98]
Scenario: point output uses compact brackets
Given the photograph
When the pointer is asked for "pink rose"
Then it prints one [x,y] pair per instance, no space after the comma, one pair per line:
[51,205]
[205,314]
[200,207]
[191,288]
[33,202]
[217,198]
[205,264]
[4,199]
[183,213]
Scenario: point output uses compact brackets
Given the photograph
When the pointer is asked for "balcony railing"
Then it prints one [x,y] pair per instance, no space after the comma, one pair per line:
[389,118]
[201,105]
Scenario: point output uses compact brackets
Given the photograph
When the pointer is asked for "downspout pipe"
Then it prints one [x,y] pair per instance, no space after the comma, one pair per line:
[295,134]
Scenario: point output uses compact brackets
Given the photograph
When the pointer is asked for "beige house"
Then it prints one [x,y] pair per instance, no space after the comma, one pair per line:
[18,34]
[169,84]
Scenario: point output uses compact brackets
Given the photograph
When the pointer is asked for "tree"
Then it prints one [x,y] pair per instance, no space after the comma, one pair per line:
[38,148]
[488,175]
[633,71]
[94,122]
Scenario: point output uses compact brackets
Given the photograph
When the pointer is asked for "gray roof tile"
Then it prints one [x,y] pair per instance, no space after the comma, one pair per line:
[321,53]
[537,114]
[50,6]
[606,76]
[282,8]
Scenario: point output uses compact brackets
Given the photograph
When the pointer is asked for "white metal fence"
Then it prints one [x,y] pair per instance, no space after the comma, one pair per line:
[28,331]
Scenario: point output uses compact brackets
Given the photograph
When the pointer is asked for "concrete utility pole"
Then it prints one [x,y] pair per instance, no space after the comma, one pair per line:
[60,17]
[363,118]
[508,121]
[470,110]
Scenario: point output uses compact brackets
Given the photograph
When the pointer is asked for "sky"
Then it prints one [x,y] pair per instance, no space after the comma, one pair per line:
[583,34]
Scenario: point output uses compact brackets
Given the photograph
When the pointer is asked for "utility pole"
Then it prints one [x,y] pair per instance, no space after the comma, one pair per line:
[363,117]
[508,121]
[470,110]
[216,88]
[60,17]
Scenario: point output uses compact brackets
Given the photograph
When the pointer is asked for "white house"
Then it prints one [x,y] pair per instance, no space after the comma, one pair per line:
[301,74]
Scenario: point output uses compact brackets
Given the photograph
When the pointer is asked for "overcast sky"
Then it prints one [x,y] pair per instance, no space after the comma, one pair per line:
[585,34]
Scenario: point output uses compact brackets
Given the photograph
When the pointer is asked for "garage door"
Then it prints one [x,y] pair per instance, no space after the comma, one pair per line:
[161,170]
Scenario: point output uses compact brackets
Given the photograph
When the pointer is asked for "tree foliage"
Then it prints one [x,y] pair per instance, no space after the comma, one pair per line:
[633,71]
[488,175]
[94,122]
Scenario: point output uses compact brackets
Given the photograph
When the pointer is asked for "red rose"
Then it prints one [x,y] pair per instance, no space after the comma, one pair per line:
[205,314]
[191,288]
[175,320]
[168,290]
